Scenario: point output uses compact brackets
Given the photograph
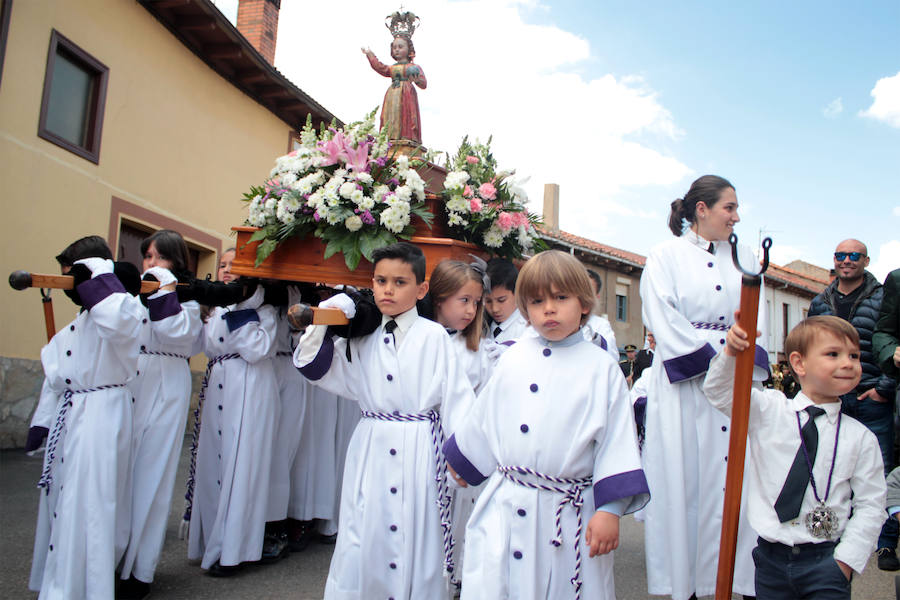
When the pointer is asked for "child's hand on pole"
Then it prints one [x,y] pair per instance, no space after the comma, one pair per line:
[602,533]
[736,339]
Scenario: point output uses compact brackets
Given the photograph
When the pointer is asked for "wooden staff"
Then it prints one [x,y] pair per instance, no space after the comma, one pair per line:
[22,280]
[301,316]
[49,321]
[740,416]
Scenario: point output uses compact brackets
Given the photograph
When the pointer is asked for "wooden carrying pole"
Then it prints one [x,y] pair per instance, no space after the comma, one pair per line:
[740,413]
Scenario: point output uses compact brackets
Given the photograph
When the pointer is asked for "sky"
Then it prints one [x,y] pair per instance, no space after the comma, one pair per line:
[624,104]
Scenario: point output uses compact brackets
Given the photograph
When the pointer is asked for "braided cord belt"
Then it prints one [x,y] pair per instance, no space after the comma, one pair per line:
[161,353]
[443,491]
[47,474]
[195,436]
[710,326]
[571,489]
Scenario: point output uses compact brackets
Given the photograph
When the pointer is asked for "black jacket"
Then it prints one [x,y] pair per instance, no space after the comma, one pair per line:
[887,332]
[863,316]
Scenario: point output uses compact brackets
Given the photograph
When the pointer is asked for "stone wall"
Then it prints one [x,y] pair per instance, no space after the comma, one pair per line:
[20,388]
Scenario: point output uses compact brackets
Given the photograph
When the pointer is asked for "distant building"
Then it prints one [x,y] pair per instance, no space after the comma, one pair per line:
[118,118]
[789,290]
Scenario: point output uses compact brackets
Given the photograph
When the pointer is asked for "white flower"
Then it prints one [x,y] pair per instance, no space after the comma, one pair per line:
[456,219]
[416,183]
[308,138]
[347,189]
[456,180]
[493,237]
[525,239]
[403,163]
[380,191]
[333,217]
[357,196]
[315,199]
[364,178]
[271,206]
[457,204]
[366,203]
[290,202]
[404,193]
[353,223]
[288,179]
[395,217]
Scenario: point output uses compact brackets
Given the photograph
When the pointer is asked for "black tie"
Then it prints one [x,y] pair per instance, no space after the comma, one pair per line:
[711,249]
[497,331]
[389,327]
[450,331]
[787,506]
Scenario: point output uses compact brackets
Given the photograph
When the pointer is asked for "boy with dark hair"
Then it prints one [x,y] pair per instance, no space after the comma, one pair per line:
[816,481]
[500,301]
[393,536]
[86,408]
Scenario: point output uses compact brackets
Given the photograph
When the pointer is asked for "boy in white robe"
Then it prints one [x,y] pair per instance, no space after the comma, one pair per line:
[553,434]
[84,485]
[393,538]
[500,302]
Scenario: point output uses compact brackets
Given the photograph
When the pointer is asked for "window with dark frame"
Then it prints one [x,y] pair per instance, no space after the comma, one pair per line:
[621,308]
[73,99]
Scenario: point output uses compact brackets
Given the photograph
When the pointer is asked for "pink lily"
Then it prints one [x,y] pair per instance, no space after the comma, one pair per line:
[333,150]
[358,159]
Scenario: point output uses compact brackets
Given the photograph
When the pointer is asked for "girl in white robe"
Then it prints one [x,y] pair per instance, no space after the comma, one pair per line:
[239,414]
[553,434]
[690,290]
[84,485]
[162,392]
[390,540]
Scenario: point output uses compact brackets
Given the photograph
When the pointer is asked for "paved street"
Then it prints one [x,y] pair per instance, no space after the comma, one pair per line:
[300,576]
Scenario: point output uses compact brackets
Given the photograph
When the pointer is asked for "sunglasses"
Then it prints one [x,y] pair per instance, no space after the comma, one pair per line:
[854,256]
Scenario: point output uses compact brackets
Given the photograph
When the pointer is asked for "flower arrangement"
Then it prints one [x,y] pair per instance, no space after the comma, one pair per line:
[341,186]
[487,207]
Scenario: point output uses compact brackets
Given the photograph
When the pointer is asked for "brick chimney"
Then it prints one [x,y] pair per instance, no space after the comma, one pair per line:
[551,206]
[257,20]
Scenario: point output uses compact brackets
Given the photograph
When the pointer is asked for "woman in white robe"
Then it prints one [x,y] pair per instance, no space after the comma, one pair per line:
[690,290]
[162,392]
[238,421]
[83,498]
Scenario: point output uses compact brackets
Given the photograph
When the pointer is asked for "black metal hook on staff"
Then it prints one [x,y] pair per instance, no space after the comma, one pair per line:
[766,244]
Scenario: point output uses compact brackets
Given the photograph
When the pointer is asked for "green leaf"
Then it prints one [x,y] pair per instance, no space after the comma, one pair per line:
[331,249]
[368,243]
[259,234]
[351,257]
[265,249]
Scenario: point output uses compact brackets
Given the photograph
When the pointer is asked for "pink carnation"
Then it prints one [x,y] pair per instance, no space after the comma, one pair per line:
[521,219]
[506,221]
[487,191]
[472,160]
[475,205]
[467,192]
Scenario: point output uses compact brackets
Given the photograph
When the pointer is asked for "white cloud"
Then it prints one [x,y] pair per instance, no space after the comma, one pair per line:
[887,260]
[496,75]
[834,108]
[896,211]
[886,104]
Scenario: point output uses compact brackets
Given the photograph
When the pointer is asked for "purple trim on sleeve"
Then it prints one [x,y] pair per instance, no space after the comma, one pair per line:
[508,343]
[603,343]
[761,359]
[461,464]
[235,319]
[640,411]
[318,366]
[621,485]
[94,290]
[163,307]
[689,365]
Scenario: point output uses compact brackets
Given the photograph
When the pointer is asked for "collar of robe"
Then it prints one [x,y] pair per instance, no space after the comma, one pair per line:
[568,341]
[696,239]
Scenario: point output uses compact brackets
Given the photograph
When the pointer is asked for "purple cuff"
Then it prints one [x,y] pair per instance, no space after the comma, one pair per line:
[236,319]
[318,366]
[94,290]
[508,343]
[621,485]
[761,359]
[689,365]
[461,464]
[164,306]
[603,343]
[640,411]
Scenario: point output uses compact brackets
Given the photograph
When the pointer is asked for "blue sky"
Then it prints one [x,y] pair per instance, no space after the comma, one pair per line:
[625,103]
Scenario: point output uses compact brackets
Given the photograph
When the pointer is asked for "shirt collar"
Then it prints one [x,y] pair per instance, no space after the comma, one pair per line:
[832,409]
[697,240]
[513,316]
[569,341]
[404,320]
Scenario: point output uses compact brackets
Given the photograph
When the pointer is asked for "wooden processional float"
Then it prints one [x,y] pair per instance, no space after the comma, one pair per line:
[302,259]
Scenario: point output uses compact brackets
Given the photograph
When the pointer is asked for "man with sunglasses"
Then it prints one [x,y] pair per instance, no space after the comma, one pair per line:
[855,296]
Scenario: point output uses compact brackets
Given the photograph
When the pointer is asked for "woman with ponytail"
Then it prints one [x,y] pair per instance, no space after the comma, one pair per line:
[690,291]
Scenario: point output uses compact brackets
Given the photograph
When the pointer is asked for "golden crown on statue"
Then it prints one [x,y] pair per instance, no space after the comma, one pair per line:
[402,23]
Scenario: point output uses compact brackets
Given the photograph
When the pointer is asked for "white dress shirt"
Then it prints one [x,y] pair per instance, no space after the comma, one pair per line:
[774,441]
